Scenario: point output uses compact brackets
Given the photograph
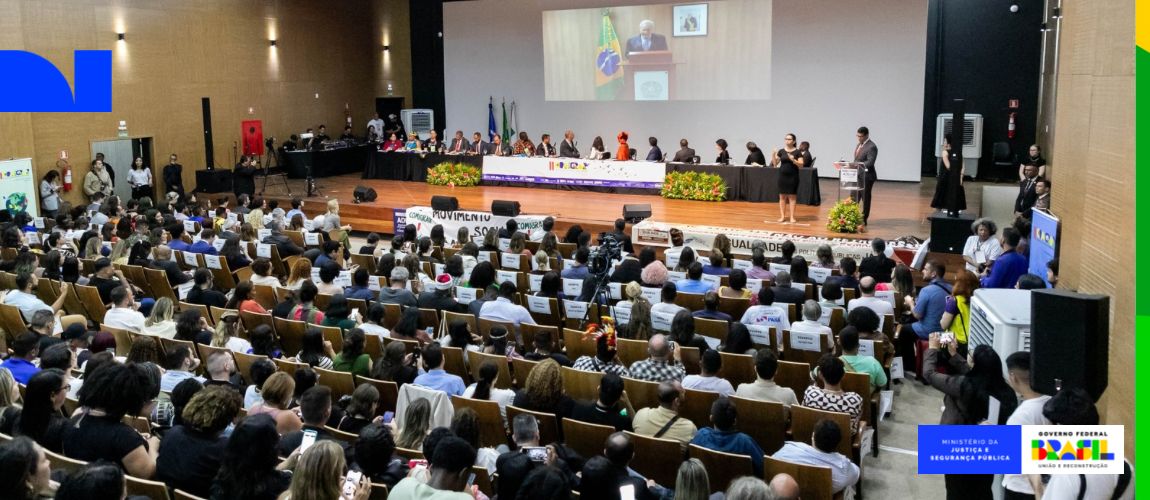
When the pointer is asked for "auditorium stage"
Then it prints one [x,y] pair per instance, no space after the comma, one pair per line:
[900,208]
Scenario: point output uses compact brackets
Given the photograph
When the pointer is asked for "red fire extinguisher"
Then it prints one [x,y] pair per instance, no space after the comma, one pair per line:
[1010,127]
[67,177]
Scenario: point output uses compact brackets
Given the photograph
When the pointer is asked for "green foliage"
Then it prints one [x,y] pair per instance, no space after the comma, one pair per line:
[694,186]
[453,174]
[845,217]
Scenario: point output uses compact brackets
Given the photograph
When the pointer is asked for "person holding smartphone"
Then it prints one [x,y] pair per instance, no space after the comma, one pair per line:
[450,477]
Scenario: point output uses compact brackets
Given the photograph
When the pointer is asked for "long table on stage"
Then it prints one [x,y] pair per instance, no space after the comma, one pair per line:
[751,183]
[411,166]
[326,162]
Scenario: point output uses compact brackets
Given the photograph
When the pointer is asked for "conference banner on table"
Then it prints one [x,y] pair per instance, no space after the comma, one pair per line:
[478,223]
[699,238]
[574,172]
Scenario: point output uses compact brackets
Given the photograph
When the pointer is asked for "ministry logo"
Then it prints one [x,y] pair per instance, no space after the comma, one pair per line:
[33,84]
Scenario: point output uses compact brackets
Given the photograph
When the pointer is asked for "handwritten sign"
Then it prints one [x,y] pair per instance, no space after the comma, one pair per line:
[572,287]
[212,261]
[866,347]
[538,305]
[344,279]
[465,295]
[575,309]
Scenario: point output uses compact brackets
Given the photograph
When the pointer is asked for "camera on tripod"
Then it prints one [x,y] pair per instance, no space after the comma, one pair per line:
[270,143]
[609,250]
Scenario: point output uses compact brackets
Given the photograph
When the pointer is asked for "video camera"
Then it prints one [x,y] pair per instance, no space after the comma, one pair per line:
[609,250]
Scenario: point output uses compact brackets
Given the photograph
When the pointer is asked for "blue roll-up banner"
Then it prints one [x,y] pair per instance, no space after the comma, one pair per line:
[1043,242]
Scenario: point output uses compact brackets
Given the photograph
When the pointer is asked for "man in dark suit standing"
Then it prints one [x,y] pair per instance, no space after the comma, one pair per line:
[655,154]
[567,148]
[684,154]
[646,41]
[458,144]
[478,146]
[1027,191]
[866,153]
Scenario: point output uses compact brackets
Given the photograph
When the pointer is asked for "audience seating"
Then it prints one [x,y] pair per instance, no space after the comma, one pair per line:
[454,363]
[738,368]
[814,481]
[90,297]
[204,312]
[287,365]
[344,437]
[475,361]
[714,328]
[722,467]
[860,383]
[656,458]
[581,385]
[734,306]
[548,425]
[154,490]
[244,364]
[378,491]
[450,317]
[521,368]
[60,462]
[492,431]
[486,324]
[577,344]
[797,376]
[183,495]
[642,394]
[391,315]
[218,315]
[586,438]
[340,383]
[696,406]
[765,421]
[171,344]
[388,393]
[811,358]
[12,321]
[331,334]
[803,420]
[529,331]
[265,295]
[290,333]
[483,480]
[253,319]
[629,351]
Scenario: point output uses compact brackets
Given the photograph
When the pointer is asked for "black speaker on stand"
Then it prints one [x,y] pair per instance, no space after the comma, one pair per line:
[209,149]
[505,208]
[949,234]
[445,203]
[1069,341]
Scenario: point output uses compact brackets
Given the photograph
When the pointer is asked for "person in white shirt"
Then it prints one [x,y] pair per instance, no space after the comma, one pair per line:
[668,305]
[708,379]
[24,296]
[810,323]
[767,313]
[825,439]
[227,333]
[374,126]
[123,313]
[140,178]
[503,309]
[1029,412]
[881,307]
[1076,407]
[160,322]
[373,323]
[982,247]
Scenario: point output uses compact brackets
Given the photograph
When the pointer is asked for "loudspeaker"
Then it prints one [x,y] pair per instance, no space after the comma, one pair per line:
[445,203]
[364,193]
[209,150]
[505,208]
[1069,341]
[636,212]
[949,234]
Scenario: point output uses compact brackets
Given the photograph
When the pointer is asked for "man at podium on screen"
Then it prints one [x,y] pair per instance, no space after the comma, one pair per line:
[646,40]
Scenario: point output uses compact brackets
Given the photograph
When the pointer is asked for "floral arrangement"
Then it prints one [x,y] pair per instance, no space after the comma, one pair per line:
[845,217]
[694,186]
[453,175]
[595,330]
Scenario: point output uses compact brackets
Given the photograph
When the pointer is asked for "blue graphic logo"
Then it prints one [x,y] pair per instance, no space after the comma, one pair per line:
[33,84]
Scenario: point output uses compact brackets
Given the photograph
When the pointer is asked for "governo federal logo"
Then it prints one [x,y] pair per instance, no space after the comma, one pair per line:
[33,84]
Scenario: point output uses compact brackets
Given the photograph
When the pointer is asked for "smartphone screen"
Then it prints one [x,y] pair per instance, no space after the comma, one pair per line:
[536,453]
[388,416]
[470,479]
[627,492]
[308,440]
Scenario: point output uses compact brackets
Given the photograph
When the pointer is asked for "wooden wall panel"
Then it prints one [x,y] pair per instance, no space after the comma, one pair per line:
[177,52]
[1095,147]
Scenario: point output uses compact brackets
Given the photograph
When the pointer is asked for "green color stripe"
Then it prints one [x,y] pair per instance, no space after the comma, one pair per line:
[1142,298]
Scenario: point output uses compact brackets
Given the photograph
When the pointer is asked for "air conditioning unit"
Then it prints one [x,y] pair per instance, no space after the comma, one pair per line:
[972,145]
[1000,318]
[420,121]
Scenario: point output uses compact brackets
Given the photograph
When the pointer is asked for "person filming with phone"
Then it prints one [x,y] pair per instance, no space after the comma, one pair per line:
[514,466]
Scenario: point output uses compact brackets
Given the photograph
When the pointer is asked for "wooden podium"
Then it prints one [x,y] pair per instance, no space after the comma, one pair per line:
[655,73]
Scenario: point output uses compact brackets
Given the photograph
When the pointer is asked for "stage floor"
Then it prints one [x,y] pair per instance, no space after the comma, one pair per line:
[900,208]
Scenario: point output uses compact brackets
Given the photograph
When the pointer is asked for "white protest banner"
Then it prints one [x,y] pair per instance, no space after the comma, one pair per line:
[477,223]
[701,238]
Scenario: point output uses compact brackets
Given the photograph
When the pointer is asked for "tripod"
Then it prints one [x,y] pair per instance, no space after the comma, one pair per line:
[311,186]
[602,290]
[270,157]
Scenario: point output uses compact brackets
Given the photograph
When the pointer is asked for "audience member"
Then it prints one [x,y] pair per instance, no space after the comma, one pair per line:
[1028,412]
[709,379]
[375,456]
[831,396]
[724,436]
[604,360]
[664,420]
[113,391]
[611,408]
[822,453]
[450,469]
[662,362]
[190,453]
[764,387]
[436,377]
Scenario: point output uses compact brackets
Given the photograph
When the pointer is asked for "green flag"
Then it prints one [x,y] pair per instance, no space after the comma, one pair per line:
[608,62]
[506,128]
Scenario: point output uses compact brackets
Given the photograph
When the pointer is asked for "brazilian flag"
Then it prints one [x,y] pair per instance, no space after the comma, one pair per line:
[608,62]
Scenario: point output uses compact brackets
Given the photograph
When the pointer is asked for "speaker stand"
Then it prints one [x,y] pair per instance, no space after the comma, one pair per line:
[312,188]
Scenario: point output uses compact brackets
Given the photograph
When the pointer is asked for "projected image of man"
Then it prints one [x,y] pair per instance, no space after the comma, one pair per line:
[647,40]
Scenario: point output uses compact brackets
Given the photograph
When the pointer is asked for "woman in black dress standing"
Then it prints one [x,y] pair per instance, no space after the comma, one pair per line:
[724,157]
[789,160]
[1033,157]
[949,194]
